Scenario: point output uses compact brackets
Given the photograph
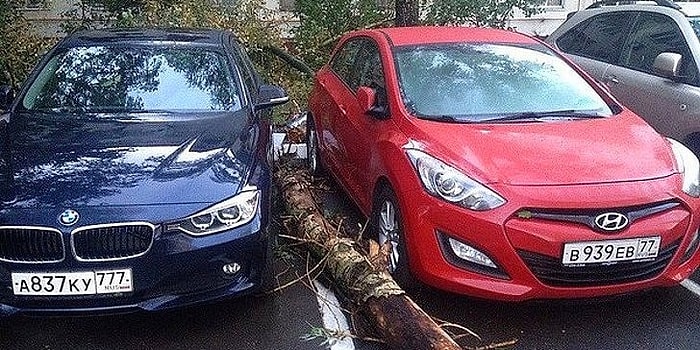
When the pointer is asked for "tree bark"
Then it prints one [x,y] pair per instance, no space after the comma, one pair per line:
[401,323]
[407,13]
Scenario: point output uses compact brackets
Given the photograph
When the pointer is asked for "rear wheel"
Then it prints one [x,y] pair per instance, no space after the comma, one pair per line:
[313,159]
[388,225]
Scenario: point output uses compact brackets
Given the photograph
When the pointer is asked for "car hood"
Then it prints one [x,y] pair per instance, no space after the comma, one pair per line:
[56,161]
[586,151]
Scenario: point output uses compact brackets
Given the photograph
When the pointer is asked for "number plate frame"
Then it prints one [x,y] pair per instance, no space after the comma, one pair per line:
[573,253]
[72,283]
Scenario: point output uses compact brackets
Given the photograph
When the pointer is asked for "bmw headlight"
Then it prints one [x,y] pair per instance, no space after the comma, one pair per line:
[231,213]
[447,183]
[688,166]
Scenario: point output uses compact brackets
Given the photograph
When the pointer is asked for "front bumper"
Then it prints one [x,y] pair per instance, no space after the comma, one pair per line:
[178,270]
[528,250]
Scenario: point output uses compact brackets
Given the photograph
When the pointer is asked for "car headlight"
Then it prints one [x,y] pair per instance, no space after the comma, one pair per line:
[447,183]
[231,213]
[688,166]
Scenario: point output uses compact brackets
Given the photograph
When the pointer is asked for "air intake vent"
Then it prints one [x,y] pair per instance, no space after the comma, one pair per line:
[550,270]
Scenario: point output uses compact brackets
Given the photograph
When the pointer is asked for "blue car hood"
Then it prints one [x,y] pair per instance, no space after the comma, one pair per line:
[59,161]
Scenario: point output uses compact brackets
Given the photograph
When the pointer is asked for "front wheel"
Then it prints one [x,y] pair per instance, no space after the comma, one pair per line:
[389,229]
[313,159]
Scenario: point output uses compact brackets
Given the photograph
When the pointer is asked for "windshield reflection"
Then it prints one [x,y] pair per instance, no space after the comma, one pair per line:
[474,82]
[134,79]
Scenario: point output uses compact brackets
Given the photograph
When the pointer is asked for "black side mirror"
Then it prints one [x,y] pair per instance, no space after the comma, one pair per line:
[7,95]
[270,96]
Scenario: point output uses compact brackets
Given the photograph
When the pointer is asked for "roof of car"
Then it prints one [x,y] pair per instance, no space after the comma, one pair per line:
[402,36]
[200,37]
[690,9]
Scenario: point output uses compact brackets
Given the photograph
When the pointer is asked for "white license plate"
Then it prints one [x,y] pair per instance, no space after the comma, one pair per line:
[73,283]
[597,252]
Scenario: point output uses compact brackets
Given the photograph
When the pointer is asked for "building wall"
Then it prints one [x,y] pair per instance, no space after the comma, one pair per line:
[46,16]
[544,23]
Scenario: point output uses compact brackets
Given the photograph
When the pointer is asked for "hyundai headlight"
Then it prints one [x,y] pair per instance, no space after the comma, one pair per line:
[231,213]
[449,184]
[688,166]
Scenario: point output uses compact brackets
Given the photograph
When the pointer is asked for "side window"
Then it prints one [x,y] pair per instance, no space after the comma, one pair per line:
[653,34]
[600,37]
[369,72]
[343,60]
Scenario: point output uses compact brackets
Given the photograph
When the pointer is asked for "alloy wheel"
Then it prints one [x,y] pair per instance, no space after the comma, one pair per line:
[389,232]
[312,151]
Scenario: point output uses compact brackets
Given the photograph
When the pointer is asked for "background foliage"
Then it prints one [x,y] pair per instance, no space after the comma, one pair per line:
[20,48]
[323,21]
[480,13]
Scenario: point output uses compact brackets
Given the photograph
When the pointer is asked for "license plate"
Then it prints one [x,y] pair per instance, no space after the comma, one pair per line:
[73,283]
[597,252]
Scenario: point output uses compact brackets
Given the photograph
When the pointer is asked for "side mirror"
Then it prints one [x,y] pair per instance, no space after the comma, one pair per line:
[667,65]
[367,98]
[7,95]
[270,96]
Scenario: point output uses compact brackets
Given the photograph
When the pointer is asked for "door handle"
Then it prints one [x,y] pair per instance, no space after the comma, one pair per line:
[611,78]
[342,109]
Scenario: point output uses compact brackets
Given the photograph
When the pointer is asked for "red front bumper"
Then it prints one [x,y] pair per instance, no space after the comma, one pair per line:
[528,250]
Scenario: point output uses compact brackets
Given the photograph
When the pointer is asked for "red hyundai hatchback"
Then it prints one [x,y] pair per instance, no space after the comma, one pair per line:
[496,168]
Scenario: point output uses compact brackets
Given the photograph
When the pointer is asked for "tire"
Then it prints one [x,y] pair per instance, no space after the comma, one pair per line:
[313,155]
[269,282]
[387,225]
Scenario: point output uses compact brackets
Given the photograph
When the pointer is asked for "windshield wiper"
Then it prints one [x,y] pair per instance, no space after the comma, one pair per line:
[544,116]
[440,118]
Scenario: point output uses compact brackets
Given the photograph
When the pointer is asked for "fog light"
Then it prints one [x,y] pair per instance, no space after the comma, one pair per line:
[231,269]
[469,253]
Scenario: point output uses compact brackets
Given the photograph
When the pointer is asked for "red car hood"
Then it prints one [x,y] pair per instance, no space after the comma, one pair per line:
[590,151]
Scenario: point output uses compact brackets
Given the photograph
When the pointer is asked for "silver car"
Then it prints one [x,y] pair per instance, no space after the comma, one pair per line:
[648,54]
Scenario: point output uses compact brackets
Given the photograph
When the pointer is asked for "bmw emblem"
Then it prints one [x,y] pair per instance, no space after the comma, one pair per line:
[69,217]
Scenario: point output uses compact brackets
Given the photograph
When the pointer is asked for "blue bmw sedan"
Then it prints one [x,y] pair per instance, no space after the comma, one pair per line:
[135,174]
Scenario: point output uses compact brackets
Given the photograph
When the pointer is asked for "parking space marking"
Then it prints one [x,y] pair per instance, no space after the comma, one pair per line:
[691,286]
[333,317]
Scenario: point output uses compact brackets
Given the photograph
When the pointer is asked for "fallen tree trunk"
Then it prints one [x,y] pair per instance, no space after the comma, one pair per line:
[400,322]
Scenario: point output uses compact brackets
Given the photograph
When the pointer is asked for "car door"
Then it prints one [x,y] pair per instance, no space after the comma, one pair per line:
[597,42]
[332,89]
[358,131]
[669,106]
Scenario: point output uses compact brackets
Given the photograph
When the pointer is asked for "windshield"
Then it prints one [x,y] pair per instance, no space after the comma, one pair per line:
[479,82]
[134,79]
